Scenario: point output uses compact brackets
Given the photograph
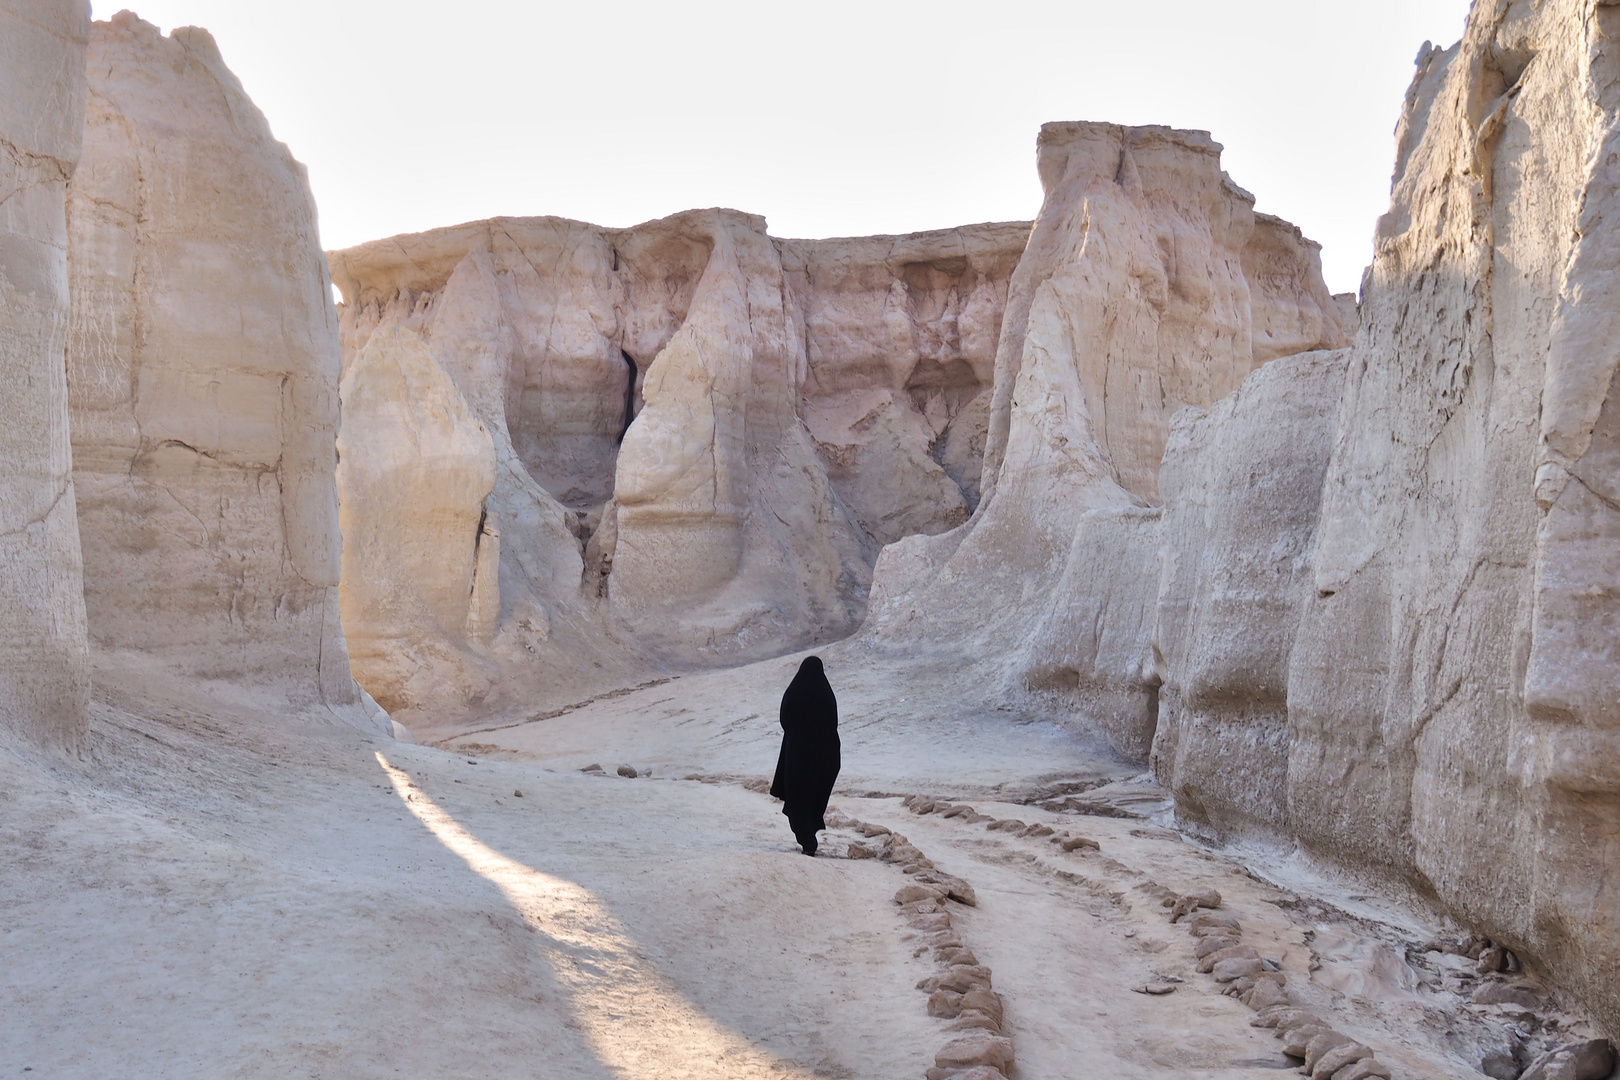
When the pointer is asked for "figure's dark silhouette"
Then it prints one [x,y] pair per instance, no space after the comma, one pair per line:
[808,765]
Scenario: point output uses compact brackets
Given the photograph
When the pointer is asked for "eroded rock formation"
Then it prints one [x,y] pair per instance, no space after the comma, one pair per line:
[1132,301]
[1241,483]
[202,376]
[1454,693]
[704,433]
[44,669]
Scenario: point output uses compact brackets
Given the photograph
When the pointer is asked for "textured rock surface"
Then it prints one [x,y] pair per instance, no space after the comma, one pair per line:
[1241,483]
[420,549]
[202,370]
[1454,694]
[1131,302]
[701,430]
[44,674]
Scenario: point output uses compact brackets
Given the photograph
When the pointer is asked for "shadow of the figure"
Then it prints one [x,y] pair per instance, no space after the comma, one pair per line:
[638,1025]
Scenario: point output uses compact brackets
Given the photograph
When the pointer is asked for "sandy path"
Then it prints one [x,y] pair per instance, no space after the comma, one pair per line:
[223,891]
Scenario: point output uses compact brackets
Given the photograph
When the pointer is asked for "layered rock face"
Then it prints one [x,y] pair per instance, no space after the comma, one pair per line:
[44,665]
[202,374]
[1132,301]
[703,434]
[1241,484]
[1454,692]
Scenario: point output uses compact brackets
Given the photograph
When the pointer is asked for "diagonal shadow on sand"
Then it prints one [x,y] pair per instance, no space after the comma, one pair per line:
[638,1025]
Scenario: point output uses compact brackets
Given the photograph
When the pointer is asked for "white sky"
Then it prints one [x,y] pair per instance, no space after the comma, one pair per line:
[831,118]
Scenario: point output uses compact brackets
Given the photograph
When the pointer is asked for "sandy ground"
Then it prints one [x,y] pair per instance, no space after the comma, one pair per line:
[217,889]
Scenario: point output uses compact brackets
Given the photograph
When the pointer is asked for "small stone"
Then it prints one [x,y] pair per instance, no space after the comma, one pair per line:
[870,830]
[692,776]
[1078,842]
[858,850]
[1214,944]
[974,1020]
[922,806]
[1368,1068]
[593,767]
[1186,905]
[945,1004]
[987,1002]
[1236,968]
[939,920]
[957,955]
[517,794]
[1265,995]
[960,891]
[1592,1059]
[1280,1017]
[976,1049]
[1039,830]
[1492,959]
[627,770]
[1333,1058]
[1206,923]
[1207,963]
[958,811]
[1157,989]
[965,977]
[1297,1039]
[910,894]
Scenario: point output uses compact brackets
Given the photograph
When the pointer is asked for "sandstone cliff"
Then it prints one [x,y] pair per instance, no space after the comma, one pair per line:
[202,376]
[1454,692]
[1132,301]
[44,671]
[704,434]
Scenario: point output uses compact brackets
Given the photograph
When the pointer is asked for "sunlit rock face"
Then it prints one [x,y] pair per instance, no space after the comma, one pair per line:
[44,670]
[1454,692]
[202,372]
[1132,301]
[704,433]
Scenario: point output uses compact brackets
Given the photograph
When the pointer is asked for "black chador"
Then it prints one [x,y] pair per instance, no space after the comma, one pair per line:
[808,765]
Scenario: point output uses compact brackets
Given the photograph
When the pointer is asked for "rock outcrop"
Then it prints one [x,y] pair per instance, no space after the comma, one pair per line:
[1132,301]
[203,360]
[44,665]
[1454,692]
[1241,484]
[1429,689]
[704,434]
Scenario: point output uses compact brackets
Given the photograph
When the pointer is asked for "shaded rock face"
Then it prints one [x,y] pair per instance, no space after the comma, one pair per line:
[1132,300]
[202,365]
[44,665]
[1241,484]
[703,433]
[1389,626]
[1454,692]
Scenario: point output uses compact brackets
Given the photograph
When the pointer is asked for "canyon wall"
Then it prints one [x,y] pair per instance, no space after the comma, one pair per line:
[703,434]
[1132,301]
[1454,692]
[44,659]
[1241,484]
[202,361]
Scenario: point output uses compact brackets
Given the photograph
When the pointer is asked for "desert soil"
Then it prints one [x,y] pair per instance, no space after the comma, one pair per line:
[216,890]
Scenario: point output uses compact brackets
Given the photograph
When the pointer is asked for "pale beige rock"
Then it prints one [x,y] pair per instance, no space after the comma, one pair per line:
[1130,302]
[419,559]
[1454,692]
[44,671]
[1241,483]
[202,370]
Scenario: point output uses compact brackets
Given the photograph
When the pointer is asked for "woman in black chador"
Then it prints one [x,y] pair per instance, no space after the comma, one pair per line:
[808,765]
